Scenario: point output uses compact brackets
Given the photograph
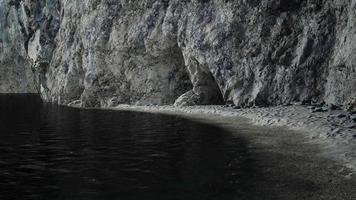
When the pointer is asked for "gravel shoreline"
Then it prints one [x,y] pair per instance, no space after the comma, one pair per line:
[329,128]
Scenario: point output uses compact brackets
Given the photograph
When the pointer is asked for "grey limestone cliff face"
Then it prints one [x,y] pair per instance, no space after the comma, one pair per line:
[100,53]
[15,74]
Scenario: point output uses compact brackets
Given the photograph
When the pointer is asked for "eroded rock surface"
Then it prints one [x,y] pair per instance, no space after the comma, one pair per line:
[105,52]
[15,75]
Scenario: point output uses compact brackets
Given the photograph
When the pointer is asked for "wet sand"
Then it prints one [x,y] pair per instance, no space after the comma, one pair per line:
[292,163]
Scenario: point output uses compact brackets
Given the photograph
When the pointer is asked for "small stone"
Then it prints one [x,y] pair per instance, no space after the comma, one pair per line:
[237,107]
[311,107]
[306,102]
[317,110]
[325,109]
[287,104]
[341,115]
[336,131]
[333,107]
[297,103]
[318,104]
[351,126]
[353,117]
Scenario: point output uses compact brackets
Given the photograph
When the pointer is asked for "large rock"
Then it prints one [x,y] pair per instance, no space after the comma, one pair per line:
[267,52]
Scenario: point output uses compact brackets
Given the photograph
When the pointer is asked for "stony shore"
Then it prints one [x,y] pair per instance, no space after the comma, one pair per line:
[333,128]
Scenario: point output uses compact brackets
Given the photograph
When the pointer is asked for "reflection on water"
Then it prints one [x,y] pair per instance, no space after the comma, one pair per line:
[52,152]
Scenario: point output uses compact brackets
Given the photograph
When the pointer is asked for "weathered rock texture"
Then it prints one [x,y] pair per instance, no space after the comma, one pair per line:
[250,52]
[15,74]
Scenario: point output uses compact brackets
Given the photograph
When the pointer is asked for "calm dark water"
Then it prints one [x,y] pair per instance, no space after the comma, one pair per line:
[53,152]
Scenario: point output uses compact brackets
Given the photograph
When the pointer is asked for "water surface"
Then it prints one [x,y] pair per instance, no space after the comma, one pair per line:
[53,152]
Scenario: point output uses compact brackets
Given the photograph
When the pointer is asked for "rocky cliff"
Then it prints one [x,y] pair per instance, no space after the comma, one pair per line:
[250,52]
[15,74]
